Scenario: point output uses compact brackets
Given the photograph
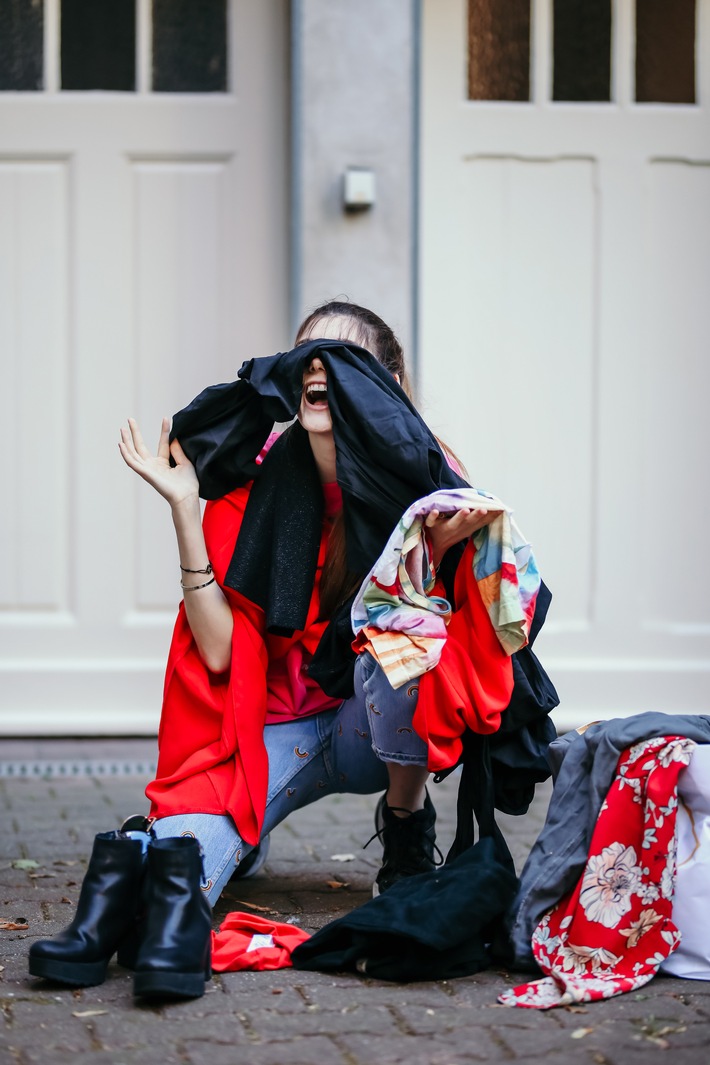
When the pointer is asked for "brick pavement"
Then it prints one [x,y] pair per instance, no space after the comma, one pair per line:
[284,1018]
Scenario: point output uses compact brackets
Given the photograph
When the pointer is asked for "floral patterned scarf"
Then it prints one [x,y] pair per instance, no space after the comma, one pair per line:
[613,931]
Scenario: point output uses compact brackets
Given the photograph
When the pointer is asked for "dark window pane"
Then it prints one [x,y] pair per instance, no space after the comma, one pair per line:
[582,50]
[98,49]
[499,50]
[189,45]
[665,51]
[21,45]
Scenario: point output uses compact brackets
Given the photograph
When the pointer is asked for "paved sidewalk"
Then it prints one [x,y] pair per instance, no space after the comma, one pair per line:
[286,1017]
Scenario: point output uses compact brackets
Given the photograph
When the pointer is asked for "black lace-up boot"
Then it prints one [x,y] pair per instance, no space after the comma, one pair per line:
[105,916]
[409,843]
[174,956]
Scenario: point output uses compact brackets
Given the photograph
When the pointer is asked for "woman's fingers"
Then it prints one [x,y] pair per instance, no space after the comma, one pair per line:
[164,441]
[138,441]
[127,445]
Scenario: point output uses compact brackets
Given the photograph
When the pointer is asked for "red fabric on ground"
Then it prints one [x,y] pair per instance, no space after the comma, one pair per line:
[230,946]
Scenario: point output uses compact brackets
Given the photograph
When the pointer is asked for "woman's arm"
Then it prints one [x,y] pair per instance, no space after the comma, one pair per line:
[208,612]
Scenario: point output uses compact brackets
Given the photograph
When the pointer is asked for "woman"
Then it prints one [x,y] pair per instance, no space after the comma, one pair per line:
[266,706]
[314,741]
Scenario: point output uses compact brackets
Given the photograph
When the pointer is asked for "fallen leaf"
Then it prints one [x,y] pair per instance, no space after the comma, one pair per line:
[66,900]
[335,884]
[579,1033]
[342,857]
[41,876]
[276,991]
[24,863]
[2,968]
[18,925]
[64,861]
[662,1043]
[88,1013]
[575,1009]
[253,906]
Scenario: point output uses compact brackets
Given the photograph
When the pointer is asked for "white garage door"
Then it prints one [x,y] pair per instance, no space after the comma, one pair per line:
[565,272]
[142,232]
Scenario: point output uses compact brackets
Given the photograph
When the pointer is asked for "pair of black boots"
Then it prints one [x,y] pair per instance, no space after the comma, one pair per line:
[145,905]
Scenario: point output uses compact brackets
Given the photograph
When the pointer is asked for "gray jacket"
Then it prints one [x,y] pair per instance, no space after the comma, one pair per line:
[583,769]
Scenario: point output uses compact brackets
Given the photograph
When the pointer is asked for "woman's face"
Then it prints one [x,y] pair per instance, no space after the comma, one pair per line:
[314,413]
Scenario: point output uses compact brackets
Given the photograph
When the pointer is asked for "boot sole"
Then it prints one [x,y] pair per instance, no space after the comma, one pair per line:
[169,985]
[73,973]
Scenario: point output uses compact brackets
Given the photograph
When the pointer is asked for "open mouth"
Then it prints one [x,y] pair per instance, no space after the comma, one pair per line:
[317,395]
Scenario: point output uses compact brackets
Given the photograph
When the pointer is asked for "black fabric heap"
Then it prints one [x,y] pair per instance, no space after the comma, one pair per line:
[386,458]
[434,926]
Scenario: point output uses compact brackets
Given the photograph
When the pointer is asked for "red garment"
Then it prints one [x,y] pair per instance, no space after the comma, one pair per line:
[613,931]
[245,941]
[473,682]
[212,757]
[211,749]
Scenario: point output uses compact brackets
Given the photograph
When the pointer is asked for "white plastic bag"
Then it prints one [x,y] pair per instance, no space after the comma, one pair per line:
[691,899]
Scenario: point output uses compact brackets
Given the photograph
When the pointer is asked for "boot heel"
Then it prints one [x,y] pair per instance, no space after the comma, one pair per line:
[168,985]
[71,973]
[128,948]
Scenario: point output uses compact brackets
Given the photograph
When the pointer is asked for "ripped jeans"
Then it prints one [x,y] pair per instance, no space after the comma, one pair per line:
[337,751]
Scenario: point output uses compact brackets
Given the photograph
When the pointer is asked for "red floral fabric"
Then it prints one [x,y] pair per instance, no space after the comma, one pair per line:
[613,931]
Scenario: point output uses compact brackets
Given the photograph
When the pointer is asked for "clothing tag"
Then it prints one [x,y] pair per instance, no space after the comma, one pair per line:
[259,940]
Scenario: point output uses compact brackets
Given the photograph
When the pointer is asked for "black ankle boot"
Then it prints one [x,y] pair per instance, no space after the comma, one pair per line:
[174,956]
[409,843]
[105,915]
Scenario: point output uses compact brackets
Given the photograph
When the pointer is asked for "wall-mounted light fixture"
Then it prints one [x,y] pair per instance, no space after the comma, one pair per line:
[358,189]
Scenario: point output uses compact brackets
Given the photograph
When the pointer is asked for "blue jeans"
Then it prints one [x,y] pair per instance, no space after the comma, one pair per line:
[342,750]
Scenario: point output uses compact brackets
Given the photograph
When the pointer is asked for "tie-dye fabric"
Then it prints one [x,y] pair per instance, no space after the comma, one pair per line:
[404,627]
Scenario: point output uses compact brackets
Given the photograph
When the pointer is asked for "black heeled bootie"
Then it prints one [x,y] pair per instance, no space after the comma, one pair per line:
[105,915]
[174,956]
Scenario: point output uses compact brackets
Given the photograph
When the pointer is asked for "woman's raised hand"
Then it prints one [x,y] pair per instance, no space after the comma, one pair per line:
[445,530]
[175,483]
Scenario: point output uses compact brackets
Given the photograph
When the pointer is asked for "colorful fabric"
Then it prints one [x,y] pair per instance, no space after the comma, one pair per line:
[245,941]
[611,933]
[403,626]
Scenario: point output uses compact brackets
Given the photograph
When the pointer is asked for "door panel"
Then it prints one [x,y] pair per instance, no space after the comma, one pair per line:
[564,266]
[142,250]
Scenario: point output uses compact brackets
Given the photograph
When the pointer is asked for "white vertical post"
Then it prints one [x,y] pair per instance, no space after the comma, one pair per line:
[52,80]
[623,52]
[541,57]
[144,46]
[702,53]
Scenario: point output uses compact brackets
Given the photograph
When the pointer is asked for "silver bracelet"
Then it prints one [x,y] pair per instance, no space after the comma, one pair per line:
[194,587]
